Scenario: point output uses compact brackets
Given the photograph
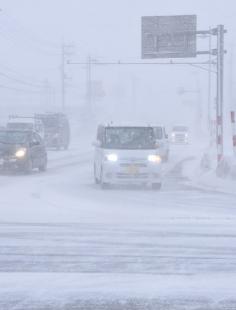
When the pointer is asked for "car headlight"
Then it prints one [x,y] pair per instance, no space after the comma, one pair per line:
[20,153]
[154,159]
[112,157]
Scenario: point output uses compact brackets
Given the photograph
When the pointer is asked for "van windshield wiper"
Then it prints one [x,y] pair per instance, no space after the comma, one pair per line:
[10,143]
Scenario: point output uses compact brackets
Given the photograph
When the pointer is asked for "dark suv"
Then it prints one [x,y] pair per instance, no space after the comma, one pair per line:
[56,129]
[22,151]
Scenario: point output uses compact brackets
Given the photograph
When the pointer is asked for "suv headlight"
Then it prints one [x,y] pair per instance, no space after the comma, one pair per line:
[154,159]
[20,153]
[112,157]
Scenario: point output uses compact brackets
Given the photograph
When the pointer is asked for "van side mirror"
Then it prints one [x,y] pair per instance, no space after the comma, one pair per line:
[34,143]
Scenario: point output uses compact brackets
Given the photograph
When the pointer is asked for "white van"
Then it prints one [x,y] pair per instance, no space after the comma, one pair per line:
[127,155]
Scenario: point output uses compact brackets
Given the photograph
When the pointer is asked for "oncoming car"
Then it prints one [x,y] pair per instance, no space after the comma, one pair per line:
[22,151]
[127,155]
[180,135]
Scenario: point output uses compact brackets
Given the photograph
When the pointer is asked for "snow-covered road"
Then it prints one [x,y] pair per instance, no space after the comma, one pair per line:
[62,239]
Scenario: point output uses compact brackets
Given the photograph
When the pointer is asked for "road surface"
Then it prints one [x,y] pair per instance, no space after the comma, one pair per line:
[67,244]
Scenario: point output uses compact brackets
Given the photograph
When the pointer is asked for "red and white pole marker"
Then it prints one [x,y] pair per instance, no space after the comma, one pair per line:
[219,139]
[233,123]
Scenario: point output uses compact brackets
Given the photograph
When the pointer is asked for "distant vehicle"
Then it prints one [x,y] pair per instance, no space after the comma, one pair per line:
[127,155]
[162,142]
[180,135]
[22,150]
[57,129]
[30,123]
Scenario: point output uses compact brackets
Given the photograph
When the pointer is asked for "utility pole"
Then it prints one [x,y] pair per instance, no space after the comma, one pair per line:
[210,90]
[63,76]
[89,84]
[65,52]
[231,80]
[220,93]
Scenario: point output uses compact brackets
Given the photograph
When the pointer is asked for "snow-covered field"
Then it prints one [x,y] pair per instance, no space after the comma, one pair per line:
[66,244]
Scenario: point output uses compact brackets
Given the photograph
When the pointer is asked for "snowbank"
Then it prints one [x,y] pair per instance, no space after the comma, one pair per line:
[204,173]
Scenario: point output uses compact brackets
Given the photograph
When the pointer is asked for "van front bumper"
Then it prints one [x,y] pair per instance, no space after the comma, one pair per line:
[131,173]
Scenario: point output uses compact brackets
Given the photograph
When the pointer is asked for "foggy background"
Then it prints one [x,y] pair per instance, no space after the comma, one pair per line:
[31,35]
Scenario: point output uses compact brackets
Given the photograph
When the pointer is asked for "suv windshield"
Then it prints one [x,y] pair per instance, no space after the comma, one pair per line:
[12,137]
[129,138]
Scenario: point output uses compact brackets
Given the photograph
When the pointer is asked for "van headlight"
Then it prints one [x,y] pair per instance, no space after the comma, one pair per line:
[156,159]
[20,153]
[112,157]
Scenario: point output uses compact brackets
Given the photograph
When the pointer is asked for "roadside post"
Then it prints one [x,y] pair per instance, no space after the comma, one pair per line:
[233,124]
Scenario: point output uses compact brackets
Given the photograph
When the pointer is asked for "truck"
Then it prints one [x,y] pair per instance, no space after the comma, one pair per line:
[57,130]
[25,123]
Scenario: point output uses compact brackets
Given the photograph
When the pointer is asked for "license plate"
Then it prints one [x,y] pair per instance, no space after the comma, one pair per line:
[132,169]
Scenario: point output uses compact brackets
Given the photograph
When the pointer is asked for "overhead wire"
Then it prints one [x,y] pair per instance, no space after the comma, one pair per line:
[19,90]
[31,35]
[21,76]
[16,34]
[20,81]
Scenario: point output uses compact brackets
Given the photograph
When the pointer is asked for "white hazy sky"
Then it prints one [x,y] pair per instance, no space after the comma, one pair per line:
[31,32]
[105,25]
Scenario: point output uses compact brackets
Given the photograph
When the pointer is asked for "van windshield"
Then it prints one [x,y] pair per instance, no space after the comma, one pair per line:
[131,138]
[20,126]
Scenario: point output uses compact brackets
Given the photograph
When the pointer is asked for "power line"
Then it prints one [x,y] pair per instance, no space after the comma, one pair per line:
[20,75]
[27,45]
[20,81]
[17,25]
[14,31]
[19,90]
